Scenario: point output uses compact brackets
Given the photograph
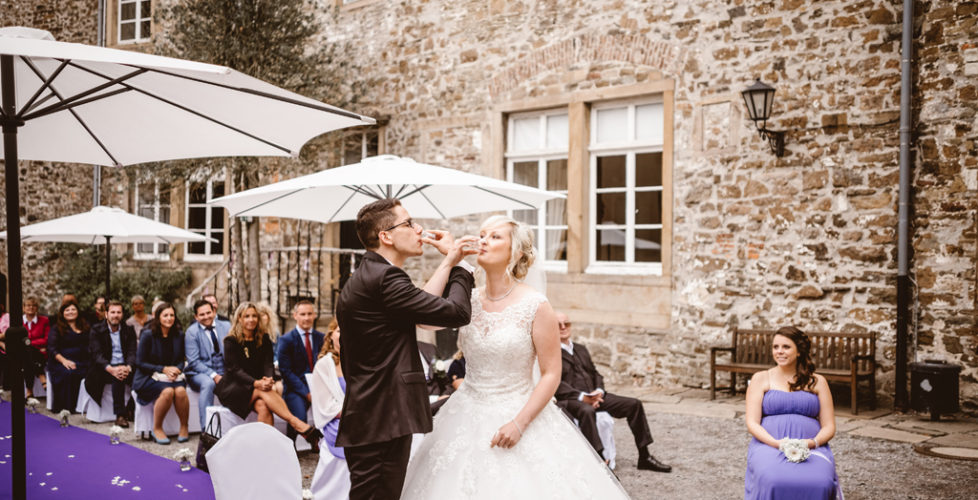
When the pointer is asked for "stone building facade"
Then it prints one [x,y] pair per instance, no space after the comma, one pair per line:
[679,222]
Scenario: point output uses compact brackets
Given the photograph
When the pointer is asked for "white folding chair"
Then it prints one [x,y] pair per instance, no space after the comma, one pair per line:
[254,461]
[97,412]
[331,481]
[606,432]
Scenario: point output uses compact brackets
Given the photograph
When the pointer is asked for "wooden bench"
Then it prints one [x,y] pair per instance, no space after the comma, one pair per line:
[839,357]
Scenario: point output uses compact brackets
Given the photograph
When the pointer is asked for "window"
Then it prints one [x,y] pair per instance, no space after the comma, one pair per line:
[153,203]
[626,188]
[536,156]
[204,220]
[135,20]
[359,144]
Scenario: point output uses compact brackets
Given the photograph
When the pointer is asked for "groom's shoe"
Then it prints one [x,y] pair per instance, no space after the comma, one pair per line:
[649,462]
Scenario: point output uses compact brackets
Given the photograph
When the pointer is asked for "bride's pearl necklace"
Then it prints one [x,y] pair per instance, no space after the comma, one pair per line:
[501,297]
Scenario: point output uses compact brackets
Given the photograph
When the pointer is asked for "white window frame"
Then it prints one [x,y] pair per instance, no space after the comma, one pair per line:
[156,254]
[138,20]
[207,256]
[629,148]
[542,155]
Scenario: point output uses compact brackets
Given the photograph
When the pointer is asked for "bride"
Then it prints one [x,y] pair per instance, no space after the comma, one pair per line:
[499,435]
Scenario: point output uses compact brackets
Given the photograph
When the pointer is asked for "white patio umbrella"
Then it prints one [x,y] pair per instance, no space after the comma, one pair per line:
[425,191]
[83,104]
[104,226]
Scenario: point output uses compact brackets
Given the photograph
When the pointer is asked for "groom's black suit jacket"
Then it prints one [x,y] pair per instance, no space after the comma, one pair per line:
[386,394]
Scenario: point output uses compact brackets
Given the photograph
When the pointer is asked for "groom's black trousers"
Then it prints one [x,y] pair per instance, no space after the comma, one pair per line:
[377,470]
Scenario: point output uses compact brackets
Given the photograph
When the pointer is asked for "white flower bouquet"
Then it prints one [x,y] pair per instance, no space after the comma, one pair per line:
[183,455]
[795,450]
[307,494]
[32,404]
[63,415]
[114,434]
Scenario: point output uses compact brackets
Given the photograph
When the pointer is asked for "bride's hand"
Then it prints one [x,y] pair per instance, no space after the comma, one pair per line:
[507,436]
[441,240]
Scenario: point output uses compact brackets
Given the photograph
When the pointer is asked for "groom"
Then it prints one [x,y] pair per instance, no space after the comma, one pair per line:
[386,396]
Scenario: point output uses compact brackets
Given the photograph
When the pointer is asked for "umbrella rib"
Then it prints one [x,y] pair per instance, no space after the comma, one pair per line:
[347,200]
[431,203]
[365,190]
[397,195]
[418,189]
[286,195]
[47,84]
[69,102]
[259,93]
[510,198]
[189,110]
[71,110]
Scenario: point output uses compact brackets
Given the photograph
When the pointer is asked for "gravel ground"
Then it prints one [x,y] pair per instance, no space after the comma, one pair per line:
[708,456]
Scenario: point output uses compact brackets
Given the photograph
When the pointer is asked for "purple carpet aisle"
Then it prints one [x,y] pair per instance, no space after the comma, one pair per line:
[72,463]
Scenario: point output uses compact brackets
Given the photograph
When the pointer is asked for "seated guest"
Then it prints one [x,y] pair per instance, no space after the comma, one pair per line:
[266,313]
[112,349]
[790,400]
[456,371]
[296,351]
[247,382]
[68,361]
[328,388]
[204,342]
[36,354]
[159,372]
[438,390]
[210,297]
[581,394]
[139,317]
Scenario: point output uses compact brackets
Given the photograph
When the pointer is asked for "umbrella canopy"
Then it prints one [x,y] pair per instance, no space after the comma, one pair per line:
[102,225]
[83,104]
[425,191]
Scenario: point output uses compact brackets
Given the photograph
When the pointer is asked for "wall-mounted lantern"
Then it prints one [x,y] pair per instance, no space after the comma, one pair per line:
[759,99]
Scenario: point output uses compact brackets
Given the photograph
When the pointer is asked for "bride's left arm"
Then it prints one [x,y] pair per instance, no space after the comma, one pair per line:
[546,341]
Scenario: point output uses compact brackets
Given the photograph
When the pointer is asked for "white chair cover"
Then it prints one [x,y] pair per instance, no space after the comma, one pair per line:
[97,412]
[606,431]
[143,421]
[254,461]
[331,481]
[229,420]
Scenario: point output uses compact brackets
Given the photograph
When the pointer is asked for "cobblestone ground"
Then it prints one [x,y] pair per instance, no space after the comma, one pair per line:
[708,455]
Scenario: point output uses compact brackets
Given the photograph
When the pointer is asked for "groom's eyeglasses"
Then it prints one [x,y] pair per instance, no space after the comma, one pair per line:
[409,223]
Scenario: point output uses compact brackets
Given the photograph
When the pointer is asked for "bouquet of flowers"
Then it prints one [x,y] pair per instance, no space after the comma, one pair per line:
[795,450]
[306,494]
[441,368]
[63,415]
[114,434]
[32,404]
[183,455]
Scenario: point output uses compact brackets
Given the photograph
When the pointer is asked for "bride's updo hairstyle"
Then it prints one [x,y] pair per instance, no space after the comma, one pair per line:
[522,254]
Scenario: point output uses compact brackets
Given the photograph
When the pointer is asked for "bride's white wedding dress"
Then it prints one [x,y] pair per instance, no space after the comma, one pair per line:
[551,460]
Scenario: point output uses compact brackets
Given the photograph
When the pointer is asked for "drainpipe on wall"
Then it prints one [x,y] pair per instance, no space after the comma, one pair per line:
[904,290]
[97,169]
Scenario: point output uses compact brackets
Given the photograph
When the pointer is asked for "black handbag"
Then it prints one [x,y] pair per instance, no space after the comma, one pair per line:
[207,441]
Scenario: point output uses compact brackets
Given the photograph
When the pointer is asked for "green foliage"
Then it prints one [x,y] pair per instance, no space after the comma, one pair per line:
[84,275]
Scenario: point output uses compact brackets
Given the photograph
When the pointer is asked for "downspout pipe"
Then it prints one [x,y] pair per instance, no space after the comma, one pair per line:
[904,284]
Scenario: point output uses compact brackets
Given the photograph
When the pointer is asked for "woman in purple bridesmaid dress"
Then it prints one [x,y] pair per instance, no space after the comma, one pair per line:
[790,401]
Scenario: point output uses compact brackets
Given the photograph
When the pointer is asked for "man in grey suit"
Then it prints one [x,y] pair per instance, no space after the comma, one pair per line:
[204,345]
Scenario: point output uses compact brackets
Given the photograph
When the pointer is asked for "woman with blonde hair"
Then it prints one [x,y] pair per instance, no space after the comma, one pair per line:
[248,367]
[500,422]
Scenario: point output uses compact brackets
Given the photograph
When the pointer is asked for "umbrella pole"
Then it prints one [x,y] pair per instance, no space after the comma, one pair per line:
[17,333]
[108,273]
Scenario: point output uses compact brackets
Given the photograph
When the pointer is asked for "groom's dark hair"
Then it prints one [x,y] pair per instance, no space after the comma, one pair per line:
[374,218]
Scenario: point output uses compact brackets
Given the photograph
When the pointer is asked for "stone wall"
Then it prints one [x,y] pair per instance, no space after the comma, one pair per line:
[807,239]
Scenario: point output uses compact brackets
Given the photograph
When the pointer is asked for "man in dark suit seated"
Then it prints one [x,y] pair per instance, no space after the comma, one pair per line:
[438,388]
[581,394]
[296,353]
[112,348]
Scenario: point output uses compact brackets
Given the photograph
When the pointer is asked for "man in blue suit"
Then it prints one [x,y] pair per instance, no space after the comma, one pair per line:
[204,345]
[297,353]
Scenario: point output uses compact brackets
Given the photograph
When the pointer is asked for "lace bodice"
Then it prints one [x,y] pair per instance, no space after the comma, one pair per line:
[498,348]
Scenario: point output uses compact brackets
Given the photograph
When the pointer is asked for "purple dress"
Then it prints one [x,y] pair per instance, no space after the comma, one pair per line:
[333,427]
[769,474]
